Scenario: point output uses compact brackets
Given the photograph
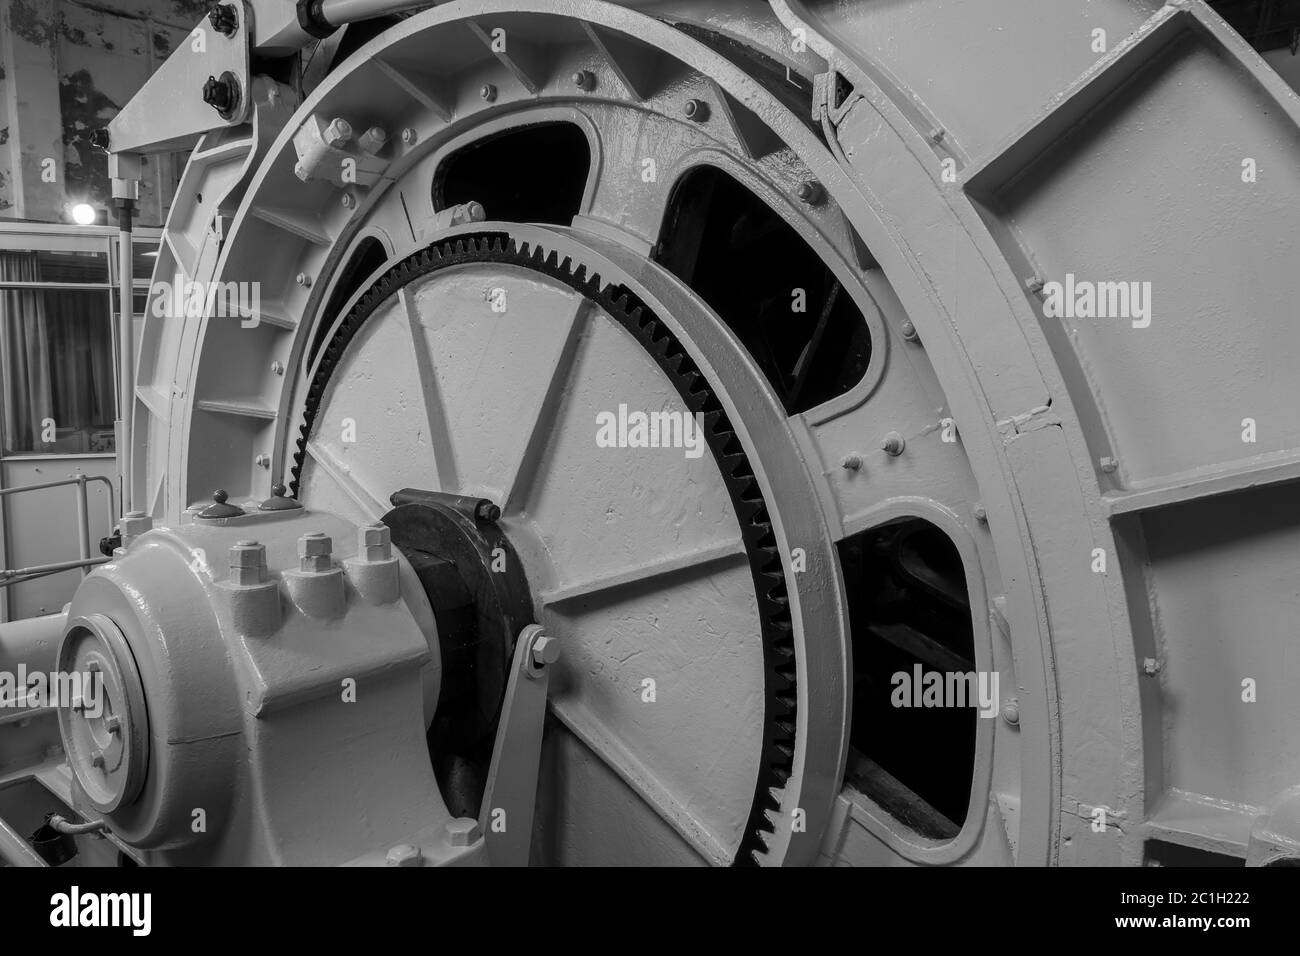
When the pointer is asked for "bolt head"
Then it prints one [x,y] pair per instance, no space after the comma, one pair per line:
[584,80]
[405,855]
[488,92]
[1150,666]
[487,511]
[852,462]
[348,201]
[1108,465]
[909,331]
[247,563]
[1011,712]
[408,136]
[893,444]
[464,831]
[136,523]
[303,280]
[696,110]
[375,542]
[338,132]
[316,543]
[277,368]
[545,650]
[981,515]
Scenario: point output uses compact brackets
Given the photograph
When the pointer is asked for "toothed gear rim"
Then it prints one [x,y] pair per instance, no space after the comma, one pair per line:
[780,676]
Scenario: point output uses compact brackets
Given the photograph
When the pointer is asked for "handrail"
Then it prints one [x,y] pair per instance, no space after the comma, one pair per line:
[11,576]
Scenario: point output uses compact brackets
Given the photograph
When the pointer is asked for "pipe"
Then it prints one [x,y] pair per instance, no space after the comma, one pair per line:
[83,523]
[43,569]
[335,13]
[126,348]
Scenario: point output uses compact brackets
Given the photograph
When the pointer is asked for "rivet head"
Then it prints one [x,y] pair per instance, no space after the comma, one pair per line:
[1011,712]
[909,331]
[696,110]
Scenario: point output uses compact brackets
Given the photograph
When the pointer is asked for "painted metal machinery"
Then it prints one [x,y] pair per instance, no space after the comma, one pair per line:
[971,327]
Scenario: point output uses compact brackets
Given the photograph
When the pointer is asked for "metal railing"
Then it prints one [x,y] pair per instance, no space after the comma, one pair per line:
[11,576]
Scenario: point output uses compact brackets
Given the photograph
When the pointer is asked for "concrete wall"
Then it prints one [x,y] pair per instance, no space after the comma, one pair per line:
[67,67]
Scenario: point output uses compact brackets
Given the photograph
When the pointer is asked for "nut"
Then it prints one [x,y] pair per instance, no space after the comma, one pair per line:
[375,542]
[247,564]
[314,552]
[135,523]
[338,132]
[464,831]
[405,855]
[545,650]
[488,91]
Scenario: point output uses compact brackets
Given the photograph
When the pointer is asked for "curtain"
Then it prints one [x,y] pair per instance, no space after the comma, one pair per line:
[25,390]
[56,361]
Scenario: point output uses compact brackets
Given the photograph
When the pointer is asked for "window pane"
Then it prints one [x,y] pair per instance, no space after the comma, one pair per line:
[56,369]
[145,254]
[63,267]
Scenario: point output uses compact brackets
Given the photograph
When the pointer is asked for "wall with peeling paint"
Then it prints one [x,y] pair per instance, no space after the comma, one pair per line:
[66,68]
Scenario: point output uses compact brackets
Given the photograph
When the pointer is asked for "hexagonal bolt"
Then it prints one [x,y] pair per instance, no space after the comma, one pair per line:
[113,724]
[1150,666]
[373,140]
[135,524]
[464,831]
[584,80]
[262,461]
[347,201]
[405,855]
[97,759]
[488,92]
[224,19]
[247,564]
[277,368]
[487,511]
[893,444]
[375,542]
[409,135]
[1108,464]
[545,650]
[852,462]
[337,133]
[697,110]
[1011,712]
[303,280]
[981,515]
[314,552]
[909,331]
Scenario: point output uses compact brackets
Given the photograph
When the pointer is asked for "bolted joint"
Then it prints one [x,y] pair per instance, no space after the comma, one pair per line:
[247,564]
[338,133]
[315,553]
[222,94]
[223,19]
[375,542]
[133,525]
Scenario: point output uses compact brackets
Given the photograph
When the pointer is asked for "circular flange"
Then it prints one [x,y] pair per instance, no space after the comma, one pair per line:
[105,729]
